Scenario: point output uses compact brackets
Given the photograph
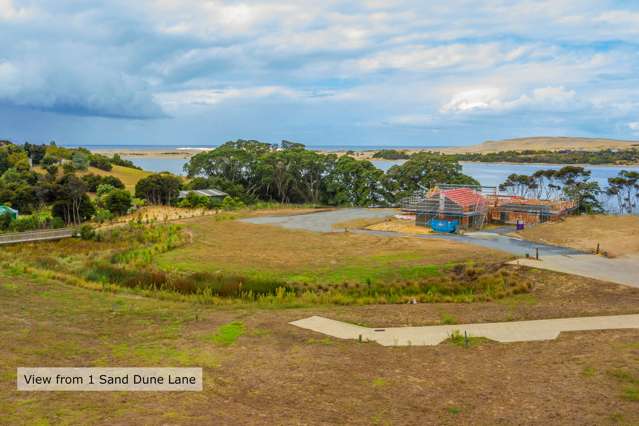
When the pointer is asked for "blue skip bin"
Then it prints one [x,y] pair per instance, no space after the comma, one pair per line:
[448,226]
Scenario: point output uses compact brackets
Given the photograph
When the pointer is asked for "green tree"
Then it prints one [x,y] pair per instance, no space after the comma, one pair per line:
[159,188]
[118,201]
[354,183]
[519,185]
[425,170]
[72,203]
[625,189]
[80,160]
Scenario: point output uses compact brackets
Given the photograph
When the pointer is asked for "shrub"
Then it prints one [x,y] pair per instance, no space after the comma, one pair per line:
[93,181]
[118,201]
[119,161]
[231,203]
[5,221]
[103,189]
[193,200]
[101,162]
[103,215]
[87,232]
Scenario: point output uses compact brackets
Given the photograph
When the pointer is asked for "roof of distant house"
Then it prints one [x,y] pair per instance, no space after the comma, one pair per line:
[465,197]
[204,193]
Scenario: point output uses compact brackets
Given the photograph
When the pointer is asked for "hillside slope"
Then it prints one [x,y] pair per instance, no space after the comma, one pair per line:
[546,143]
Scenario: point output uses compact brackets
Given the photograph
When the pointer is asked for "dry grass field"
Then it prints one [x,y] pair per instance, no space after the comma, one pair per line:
[547,144]
[258,369]
[617,235]
[315,258]
[390,224]
[127,175]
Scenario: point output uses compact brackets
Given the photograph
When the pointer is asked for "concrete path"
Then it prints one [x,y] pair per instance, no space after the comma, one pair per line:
[505,332]
[39,235]
[321,221]
[623,270]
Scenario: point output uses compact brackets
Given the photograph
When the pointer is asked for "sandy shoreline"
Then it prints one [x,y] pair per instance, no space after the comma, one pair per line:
[188,153]
[150,153]
[360,155]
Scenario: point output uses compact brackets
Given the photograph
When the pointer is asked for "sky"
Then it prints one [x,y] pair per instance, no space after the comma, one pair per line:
[323,73]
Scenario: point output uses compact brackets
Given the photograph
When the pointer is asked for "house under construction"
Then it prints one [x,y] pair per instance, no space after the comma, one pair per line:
[450,207]
[461,206]
[530,211]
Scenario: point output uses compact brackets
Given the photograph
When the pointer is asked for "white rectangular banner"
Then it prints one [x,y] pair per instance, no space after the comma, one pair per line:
[109,379]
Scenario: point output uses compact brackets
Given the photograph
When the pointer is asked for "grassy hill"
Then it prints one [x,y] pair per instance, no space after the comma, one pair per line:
[546,143]
[127,175]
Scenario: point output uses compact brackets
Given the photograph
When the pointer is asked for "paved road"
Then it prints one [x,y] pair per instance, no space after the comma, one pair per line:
[505,332]
[321,221]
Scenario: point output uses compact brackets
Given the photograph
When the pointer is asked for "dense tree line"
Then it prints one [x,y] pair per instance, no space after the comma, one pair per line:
[253,170]
[391,154]
[607,156]
[42,182]
[573,183]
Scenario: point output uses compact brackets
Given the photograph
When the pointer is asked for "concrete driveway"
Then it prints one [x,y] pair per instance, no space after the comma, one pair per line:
[623,270]
[321,221]
[515,331]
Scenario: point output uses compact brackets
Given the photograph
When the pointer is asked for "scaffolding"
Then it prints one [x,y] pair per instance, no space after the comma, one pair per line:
[513,209]
[467,204]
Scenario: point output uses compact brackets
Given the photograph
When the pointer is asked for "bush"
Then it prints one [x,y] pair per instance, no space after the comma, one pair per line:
[193,200]
[87,232]
[33,222]
[118,201]
[93,181]
[100,162]
[231,203]
[103,215]
[5,221]
[68,168]
[119,161]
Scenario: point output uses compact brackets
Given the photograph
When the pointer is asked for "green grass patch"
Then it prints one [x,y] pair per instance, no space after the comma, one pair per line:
[454,410]
[379,382]
[458,338]
[588,372]
[227,334]
[630,382]
[447,319]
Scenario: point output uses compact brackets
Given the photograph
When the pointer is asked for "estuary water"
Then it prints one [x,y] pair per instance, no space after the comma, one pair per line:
[488,174]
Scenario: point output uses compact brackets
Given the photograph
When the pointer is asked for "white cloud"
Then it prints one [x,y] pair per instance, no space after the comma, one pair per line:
[416,62]
[172,101]
[417,120]
[487,98]
[10,12]
[493,100]
[634,126]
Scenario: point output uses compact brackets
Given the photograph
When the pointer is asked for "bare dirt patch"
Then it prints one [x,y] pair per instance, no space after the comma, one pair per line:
[617,235]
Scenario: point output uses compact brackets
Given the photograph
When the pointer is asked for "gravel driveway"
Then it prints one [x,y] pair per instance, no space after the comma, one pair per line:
[321,221]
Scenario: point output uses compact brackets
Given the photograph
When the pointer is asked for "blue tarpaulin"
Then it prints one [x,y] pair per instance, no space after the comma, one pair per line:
[439,225]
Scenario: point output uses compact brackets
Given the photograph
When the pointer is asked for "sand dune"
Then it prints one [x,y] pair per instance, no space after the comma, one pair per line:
[546,143]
